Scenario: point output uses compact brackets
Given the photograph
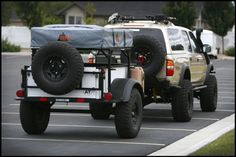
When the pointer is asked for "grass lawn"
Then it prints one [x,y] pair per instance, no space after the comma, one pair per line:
[223,146]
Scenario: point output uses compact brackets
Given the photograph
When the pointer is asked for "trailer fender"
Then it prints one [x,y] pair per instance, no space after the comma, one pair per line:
[121,88]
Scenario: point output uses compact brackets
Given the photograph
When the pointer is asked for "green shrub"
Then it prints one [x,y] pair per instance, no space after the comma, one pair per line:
[9,47]
[230,51]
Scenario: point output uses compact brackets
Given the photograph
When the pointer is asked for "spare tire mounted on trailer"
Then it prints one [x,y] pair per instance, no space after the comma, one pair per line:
[57,68]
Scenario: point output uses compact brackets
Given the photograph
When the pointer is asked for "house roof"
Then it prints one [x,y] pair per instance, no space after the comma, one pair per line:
[127,8]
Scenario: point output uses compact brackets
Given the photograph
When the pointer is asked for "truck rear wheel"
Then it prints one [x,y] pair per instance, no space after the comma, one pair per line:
[100,110]
[182,103]
[57,68]
[34,116]
[128,116]
[208,96]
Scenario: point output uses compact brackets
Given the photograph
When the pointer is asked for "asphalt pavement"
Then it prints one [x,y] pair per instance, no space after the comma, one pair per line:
[79,134]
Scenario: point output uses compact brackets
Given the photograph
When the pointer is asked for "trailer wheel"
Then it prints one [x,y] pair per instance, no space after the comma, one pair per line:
[34,116]
[128,116]
[57,68]
[208,96]
[182,103]
[100,110]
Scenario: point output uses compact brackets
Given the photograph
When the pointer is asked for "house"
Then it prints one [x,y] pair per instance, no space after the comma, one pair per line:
[75,12]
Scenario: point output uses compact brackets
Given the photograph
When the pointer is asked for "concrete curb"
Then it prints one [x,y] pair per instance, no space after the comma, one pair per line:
[197,140]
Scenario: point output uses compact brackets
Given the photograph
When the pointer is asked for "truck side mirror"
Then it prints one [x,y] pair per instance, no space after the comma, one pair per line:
[206,48]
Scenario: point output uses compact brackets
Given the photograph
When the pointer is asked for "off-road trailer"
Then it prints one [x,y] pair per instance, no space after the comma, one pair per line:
[101,85]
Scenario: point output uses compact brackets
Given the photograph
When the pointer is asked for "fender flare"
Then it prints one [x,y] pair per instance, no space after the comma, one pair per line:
[210,69]
[183,69]
[121,88]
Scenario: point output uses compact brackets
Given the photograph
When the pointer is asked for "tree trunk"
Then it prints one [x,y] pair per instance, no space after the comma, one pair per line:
[223,50]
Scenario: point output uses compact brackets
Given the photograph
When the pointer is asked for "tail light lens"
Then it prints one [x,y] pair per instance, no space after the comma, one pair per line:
[43,99]
[80,100]
[20,93]
[169,67]
[107,96]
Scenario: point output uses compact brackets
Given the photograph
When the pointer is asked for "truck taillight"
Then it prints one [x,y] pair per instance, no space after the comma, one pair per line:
[20,93]
[169,67]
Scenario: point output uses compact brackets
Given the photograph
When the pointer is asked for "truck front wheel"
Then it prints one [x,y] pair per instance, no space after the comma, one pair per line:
[34,116]
[182,103]
[208,96]
[128,116]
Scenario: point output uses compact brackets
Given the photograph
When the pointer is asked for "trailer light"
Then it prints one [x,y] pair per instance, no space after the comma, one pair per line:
[43,99]
[107,96]
[80,100]
[169,67]
[20,93]
[91,58]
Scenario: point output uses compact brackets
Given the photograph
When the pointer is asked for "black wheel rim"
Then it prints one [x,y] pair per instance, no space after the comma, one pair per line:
[190,102]
[215,95]
[55,68]
[135,114]
[145,52]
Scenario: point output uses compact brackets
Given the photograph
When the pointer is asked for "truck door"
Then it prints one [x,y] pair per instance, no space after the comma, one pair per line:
[198,64]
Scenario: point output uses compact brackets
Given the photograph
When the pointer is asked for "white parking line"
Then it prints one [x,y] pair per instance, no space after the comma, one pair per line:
[213,119]
[104,127]
[226,92]
[88,115]
[82,141]
[219,102]
[65,106]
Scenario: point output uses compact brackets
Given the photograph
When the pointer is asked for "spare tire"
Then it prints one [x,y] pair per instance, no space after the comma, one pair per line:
[57,68]
[153,53]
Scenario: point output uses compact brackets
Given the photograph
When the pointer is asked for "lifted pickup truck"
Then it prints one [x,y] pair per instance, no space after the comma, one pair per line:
[129,64]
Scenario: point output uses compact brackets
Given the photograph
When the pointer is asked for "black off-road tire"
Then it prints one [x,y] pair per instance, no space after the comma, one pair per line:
[145,45]
[208,96]
[128,116]
[57,68]
[182,103]
[100,110]
[34,116]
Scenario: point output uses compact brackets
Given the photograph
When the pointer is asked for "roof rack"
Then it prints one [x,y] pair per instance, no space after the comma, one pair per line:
[116,18]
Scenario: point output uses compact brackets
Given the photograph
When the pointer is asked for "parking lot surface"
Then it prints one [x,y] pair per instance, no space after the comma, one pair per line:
[78,134]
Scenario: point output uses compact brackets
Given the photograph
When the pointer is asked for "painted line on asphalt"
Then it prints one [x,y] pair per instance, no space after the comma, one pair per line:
[88,115]
[70,106]
[82,141]
[104,127]
[226,92]
[232,103]
[55,114]
[218,110]
[212,119]
[198,139]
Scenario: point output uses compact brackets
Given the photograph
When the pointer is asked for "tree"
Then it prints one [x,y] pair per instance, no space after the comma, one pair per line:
[30,12]
[184,11]
[6,8]
[39,13]
[220,16]
[90,10]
